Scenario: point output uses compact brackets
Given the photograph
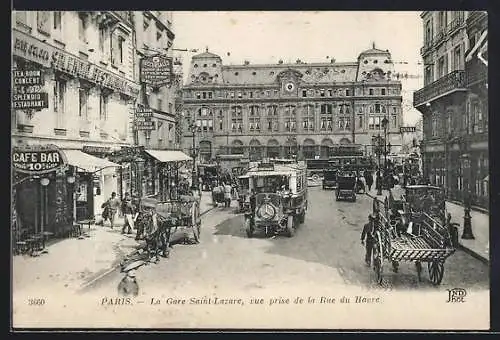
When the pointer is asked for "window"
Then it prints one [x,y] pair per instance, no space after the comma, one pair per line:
[209,95]
[221,124]
[322,93]
[330,93]
[146,22]
[428,33]
[478,116]
[158,36]
[240,95]
[347,92]
[204,95]
[57,22]
[428,77]
[360,122]
[360,109]
[254,110]
[394,121]
[272,110]
[159,104]
[441,66]
[434,127]
[22,17]
[371,92]
[383,92]
[268,93]
[326,108]
[377,108]
[198,95]
[103,105]
[82,27]
[442,20]
[304,93]
[120,49]
[102,38]
[210,125]
[43,21]
[83,99]
[117,49]
[59,96]
[457,59]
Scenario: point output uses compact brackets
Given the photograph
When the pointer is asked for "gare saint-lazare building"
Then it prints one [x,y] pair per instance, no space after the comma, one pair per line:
[279,110]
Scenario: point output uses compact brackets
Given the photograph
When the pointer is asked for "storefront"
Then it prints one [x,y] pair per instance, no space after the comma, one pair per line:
[95,180]
[150,173]
[52,188]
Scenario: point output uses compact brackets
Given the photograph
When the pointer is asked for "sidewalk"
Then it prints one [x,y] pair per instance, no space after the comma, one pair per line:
[479,247]
[72,263]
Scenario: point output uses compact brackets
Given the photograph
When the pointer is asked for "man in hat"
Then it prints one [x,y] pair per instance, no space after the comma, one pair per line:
[128,285]
[128,211]
[367,239]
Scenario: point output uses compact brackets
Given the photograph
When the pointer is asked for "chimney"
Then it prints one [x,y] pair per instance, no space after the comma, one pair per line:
[298,61]
[280,61]
[247,62]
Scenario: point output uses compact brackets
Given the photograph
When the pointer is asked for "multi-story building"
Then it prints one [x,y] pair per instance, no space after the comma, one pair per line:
[89,63]
[86,61]
[476,138]
[284,109]
[154,35]
[444,104]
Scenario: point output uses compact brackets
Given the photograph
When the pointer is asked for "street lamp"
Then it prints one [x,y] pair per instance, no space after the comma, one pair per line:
[378,150]
[467,232]
[384,126]
[194,178]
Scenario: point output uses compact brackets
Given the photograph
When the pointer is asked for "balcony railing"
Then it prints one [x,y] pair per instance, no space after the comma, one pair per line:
[475,72]
[454,81]
[427,46]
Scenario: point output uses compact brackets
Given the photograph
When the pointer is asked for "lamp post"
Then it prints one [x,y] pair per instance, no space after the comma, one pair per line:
[379,151]
[467,232]
[194,176]
[384,126]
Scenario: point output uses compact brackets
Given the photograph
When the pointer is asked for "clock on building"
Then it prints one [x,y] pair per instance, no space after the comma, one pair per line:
[289,87]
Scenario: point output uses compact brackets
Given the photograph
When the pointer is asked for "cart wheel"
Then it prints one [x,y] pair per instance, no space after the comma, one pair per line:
[290,230]
[377,256]
[436,272]
[248,228]
[418,265]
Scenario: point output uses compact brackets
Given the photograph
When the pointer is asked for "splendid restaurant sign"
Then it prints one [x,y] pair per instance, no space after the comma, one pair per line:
[37,159]
[27,90]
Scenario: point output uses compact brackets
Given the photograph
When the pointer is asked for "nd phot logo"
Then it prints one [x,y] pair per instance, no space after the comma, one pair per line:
[456,295]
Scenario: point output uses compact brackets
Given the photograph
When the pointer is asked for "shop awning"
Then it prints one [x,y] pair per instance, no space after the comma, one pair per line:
[86,162]
[166,156]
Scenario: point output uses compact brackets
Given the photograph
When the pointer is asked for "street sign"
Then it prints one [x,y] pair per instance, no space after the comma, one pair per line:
[156,71]
[27,90]
[143,118]
[403,129]
[37,159]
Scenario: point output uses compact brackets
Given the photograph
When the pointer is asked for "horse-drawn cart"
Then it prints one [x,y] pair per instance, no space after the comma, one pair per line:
[412,234]
[162,223]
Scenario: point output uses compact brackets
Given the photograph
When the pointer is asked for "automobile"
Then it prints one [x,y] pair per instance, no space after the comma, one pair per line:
[346,187]
[329,178]
[279,195]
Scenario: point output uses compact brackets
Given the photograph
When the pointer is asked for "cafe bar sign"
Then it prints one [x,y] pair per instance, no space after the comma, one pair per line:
[37,159]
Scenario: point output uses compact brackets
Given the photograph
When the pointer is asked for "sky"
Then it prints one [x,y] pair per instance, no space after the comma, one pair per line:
[312,36]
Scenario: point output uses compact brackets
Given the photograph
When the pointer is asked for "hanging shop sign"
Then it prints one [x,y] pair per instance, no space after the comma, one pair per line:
[37,159]
[404,129]
[156,71]
[27,86]
[99,150]
[32,49]
[143,118]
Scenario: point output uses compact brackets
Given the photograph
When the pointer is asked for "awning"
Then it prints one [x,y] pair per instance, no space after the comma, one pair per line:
[166,156]
[86,162]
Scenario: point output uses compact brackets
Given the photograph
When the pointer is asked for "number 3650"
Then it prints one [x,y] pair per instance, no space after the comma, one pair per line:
[36,302]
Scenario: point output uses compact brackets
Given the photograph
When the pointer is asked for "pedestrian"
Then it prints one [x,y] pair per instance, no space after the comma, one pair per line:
[368,239]
[368,179]
[128,211]
[114,205]
[227,194]
[128,285]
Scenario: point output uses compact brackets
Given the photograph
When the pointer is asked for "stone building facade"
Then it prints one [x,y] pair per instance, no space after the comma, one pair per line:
[283,109]
[453,116]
